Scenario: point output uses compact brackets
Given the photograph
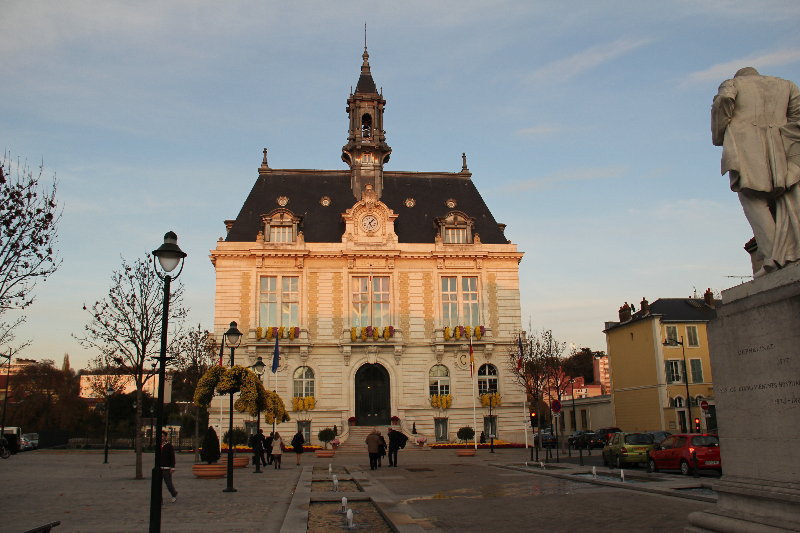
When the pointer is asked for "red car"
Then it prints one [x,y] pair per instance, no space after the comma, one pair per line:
[675,452]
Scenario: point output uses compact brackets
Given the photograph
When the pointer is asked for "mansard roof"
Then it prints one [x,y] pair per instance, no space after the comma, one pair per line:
[305,188]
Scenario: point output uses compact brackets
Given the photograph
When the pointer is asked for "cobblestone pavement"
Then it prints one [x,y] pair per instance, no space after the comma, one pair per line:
[452,493]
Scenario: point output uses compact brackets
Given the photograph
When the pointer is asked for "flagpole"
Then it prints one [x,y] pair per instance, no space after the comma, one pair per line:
[472,378]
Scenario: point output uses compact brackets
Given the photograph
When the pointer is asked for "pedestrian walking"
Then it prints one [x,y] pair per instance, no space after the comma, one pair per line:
[381,449]
[297,442]
[397,440]
[258,448]
[277,450]
[268,447]
[373,447]
[168,466]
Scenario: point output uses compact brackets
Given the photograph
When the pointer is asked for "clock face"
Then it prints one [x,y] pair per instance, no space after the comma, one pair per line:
[369,223]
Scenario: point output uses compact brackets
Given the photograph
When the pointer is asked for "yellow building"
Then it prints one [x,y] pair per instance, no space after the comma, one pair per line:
[659,365]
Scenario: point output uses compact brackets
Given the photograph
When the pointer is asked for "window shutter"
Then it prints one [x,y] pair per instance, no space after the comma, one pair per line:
[668,372]
[683,371]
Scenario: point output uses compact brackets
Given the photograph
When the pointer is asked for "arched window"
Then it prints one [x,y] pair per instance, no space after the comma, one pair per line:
[439,380]
[366,126]
[679,401]
[487,379]
[303,382]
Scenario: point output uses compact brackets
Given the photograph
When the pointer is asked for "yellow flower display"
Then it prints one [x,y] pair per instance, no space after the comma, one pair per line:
[435,401]
[386,333]
[466,332]
[291,334]
[297,403]
[375,333]
[445,400]
[478,332]
[281,331]
[447,333]
[309,403]
[269,334]
[457,332]
[254,398]
[494,398]
[259,333]
[353,335]
[363,334]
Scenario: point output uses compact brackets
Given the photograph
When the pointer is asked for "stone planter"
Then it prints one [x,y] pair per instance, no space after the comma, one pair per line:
[210,471]
[240,462]
[324,453]
[395,422]
[467,452]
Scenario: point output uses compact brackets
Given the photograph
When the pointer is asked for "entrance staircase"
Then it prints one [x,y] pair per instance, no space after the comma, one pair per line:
[355,439]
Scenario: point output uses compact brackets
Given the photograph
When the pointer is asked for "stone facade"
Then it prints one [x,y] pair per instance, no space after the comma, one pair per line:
[333,252]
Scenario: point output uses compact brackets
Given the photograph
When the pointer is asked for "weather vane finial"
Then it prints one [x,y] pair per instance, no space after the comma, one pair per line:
[365,36]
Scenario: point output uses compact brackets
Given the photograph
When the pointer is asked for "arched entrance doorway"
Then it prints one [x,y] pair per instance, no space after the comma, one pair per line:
[373,406]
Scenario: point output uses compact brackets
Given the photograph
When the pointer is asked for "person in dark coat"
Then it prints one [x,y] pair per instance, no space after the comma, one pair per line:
[381,448]
[373,447]
[268,447]
[258,448]
[297,442]
[396,441]
[168,465]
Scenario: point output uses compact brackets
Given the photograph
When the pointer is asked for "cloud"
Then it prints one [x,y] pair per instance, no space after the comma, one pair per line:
[540,129]
[723,71]
[578,174]
[588,59]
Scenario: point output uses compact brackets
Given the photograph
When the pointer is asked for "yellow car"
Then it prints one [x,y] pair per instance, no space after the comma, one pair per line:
[627,448]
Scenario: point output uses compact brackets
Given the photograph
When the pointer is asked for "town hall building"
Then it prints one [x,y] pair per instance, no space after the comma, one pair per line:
[375,282]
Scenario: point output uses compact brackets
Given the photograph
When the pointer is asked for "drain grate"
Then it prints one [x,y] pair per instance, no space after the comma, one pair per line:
[420,469]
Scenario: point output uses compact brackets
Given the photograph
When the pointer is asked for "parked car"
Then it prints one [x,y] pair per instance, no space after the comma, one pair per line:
[574,439]
[658,436]
[33,438]
[675,452]
[597,439]
[25,445]
[548,439]
[628,448]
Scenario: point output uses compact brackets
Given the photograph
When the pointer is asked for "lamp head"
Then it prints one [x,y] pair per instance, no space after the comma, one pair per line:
[169,254]
[259,366]
[233,335]
[110,391]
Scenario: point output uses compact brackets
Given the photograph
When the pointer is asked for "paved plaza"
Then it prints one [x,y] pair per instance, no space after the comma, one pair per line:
[443,492]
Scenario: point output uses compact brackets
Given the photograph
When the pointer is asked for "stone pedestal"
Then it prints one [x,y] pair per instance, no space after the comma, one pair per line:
[754,345]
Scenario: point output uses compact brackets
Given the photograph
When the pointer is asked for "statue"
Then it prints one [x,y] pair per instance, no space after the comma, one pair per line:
[756,120]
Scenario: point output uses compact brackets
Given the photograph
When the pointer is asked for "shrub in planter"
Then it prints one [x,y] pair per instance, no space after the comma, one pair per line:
[326,435]
[465,434]
[239,438]
[210,452]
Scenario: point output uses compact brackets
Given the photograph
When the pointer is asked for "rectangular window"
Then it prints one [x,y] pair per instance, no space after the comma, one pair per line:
[455,235]
[691,336]
[370,302]
[280,234]
[272,300]
[490,426]
[673,371]
[697,370]
[672,334]
[469,291]
[584,423]
[572,420]
[449,302]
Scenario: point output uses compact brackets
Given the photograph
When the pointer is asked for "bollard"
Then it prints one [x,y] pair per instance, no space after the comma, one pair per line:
[694,460]
[541,464]
[622,475]
[330,468]
[344,504]
[594,472]
[335,485]
[350,518]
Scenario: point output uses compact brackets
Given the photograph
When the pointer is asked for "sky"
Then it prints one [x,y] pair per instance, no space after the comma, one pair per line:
[586,127]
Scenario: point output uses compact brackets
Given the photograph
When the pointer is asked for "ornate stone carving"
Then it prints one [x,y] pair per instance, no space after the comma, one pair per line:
[372,354]
[299,261]
[259,262]
[439,263]
[351,262]
[479,263]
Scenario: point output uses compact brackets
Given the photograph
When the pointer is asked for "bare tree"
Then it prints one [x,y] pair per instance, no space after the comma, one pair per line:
[101,377]
[29,216]
[193,355]
[126,328]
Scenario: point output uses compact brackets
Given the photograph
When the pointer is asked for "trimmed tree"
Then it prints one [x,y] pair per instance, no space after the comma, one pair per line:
[326,435]
[210,452]
[465,434]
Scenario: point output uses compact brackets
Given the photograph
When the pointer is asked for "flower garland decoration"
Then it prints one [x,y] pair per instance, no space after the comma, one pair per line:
[259,333]
[281,332]
[269,334]
[369,332]
[297,403]
[376,332]
[434,401]
[291,334]
[493,398]
[386,333]
[467,332]
[391,331]
[254,398]
[363,334]
[447,333]
[353,335]
[445,400]
[309,403]
[457,332]
[296,332]
[479,332]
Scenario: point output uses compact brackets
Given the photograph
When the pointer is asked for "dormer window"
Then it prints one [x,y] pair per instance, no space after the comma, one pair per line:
[455,228]
[281,226]
[366,126]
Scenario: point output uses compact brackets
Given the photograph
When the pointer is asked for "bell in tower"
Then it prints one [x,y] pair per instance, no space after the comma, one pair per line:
[366,150]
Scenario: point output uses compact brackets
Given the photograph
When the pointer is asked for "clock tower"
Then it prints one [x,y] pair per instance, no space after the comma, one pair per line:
[366,150]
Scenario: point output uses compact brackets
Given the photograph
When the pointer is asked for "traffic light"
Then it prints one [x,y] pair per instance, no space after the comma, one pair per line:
[697,425]
[534,421]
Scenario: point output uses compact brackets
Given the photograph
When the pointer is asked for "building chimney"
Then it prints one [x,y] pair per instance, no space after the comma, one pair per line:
[625,313]
[645,306]
[708,297]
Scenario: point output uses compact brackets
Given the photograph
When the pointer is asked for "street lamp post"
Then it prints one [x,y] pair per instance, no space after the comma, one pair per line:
[151,425]
[109,393]
[233,336]
[258,368]
[491,422]
[5,398]
[169,257]
[675,342]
